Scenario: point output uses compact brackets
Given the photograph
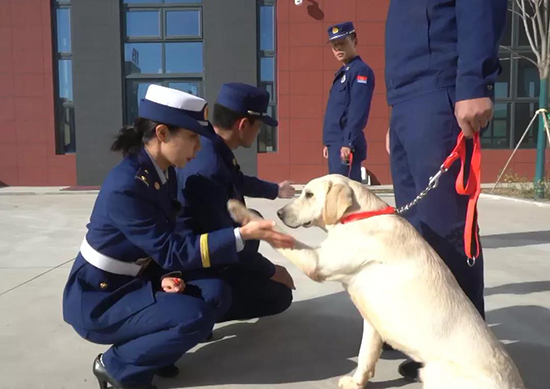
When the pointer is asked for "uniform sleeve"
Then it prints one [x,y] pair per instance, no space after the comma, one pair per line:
[480,25]
[254,187]
[362,89]
[135,215]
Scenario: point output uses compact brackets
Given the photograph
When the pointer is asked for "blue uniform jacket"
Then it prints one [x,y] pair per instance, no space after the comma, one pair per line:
[348,107]
[207,183]
[134,217]
[435,44]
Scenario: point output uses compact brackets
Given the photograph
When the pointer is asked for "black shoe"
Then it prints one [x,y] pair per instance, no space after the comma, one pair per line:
[209,338]
[409,370]
[104,378]
[169,371]
[387,347]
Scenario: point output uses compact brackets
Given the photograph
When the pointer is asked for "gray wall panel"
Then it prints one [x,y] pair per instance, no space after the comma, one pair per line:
[97,86]
[231,55]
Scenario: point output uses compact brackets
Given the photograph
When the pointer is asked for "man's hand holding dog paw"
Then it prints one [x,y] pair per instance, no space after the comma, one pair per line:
[282,276]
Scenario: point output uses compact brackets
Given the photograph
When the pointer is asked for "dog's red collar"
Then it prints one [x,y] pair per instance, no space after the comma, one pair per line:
[365,215]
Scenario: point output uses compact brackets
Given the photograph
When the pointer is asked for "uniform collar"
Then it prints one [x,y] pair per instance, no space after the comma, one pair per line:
[225,152]
[347,67]
[163,174]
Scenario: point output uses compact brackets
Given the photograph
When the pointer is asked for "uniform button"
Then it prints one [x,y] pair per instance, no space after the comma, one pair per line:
[157,186]
[489,87]
[103,285]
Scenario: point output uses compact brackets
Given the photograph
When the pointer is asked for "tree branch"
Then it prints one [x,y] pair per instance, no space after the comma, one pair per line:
[520,55]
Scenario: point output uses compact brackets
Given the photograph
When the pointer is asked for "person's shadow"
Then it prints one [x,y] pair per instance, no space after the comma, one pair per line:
[313,340]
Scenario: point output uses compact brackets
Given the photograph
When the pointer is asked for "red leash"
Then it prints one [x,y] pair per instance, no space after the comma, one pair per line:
[472,188]
[350,164]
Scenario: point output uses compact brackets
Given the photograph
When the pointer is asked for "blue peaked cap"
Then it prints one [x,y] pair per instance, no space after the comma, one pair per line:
[340,30]
[247,100]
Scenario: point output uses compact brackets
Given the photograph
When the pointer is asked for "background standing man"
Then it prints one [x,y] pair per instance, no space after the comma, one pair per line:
[348,105]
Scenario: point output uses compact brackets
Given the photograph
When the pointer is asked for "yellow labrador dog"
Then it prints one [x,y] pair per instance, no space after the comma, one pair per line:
[406,294]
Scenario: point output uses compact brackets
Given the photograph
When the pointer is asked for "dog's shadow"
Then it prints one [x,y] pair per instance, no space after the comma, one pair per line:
[313,340]
[525,330]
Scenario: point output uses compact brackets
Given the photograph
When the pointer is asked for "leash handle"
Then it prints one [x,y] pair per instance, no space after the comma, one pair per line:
[471,188]
[350,164]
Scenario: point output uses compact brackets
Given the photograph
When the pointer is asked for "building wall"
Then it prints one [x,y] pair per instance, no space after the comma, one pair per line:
[27,123]
[97,86]
[305,71]
[230,55]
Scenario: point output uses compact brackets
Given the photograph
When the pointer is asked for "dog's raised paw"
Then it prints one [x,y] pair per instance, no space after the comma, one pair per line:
[348,382]
[237,210]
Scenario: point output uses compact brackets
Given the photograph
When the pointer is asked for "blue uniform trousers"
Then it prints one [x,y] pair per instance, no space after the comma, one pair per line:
[336,166]
[161,333]
[423,132]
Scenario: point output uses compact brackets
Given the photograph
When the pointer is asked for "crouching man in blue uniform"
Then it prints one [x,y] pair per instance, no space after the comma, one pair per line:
[441,66]
[259,288]
[348,105]
[122,289]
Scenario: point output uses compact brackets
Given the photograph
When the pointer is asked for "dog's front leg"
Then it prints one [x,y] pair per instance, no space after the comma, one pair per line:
[371,347]
[304,258]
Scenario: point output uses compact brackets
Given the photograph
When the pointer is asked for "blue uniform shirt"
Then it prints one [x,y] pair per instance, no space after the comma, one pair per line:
[348,107]
[435,44]
[134,217]
[207,183]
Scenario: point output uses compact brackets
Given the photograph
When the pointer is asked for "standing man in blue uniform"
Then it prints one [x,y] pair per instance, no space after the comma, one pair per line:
[441,66]
[348,105]
[259,288]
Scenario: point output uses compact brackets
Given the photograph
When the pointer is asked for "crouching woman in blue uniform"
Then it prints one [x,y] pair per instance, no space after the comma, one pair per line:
[124,288]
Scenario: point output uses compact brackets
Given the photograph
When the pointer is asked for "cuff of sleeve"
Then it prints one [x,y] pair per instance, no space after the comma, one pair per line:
[273,191]
[174,274]
[239,243]
[469,90]
[218,248]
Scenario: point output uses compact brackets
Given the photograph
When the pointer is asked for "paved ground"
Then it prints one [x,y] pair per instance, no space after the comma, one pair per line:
[309,346]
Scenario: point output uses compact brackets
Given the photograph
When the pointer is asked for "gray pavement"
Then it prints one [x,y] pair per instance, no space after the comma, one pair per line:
[310,346]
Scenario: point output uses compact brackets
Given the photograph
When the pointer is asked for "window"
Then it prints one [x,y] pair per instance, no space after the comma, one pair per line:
[516,91]
[267,139]
[163,45]
[63,70]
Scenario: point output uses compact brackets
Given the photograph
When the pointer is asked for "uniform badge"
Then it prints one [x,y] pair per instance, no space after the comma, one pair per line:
[343,79]
[234,161]
[206,113]
[144,179]
[335,30]
[362,79]
[103,285]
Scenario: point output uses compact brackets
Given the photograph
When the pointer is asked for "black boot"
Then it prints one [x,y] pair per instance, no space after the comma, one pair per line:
[169,371]
[104,378]
[409,370]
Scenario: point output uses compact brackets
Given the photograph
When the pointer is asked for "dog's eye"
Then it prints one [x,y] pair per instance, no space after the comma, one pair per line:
[309,195]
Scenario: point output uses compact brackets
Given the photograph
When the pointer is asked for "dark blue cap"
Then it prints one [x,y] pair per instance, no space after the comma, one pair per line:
[247,100]
[340,30]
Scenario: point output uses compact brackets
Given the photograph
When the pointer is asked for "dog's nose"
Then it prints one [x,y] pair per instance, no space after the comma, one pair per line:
[281,213]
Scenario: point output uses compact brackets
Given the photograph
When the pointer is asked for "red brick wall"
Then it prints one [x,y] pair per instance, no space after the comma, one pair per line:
[306,68]
[27,123]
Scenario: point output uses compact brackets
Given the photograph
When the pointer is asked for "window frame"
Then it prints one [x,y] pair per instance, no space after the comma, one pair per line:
[60,107]
[268,132]
[161,78]
[516,26]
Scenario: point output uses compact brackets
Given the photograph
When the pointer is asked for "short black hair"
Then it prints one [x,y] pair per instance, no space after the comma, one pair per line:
[225,118]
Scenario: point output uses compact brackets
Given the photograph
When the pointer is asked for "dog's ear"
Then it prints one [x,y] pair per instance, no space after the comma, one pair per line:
[338,200]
